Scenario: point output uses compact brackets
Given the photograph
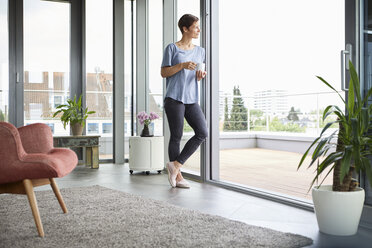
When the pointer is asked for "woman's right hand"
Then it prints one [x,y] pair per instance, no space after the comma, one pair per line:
[189,65]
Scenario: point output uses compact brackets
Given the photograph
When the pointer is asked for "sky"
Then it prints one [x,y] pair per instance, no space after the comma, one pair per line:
[274,44]
[266,44]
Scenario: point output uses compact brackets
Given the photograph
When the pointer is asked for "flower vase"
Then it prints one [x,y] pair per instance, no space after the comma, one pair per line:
[146,131]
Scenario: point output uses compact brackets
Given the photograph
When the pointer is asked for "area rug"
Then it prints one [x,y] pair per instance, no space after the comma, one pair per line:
[101,217]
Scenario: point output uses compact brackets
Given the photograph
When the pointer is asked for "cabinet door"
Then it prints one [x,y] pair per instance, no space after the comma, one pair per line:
[139,153]
[157,156]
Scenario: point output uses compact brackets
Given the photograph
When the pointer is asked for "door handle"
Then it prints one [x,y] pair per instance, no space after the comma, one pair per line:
[346,55]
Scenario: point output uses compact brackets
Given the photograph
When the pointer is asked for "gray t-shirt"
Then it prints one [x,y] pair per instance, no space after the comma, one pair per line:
[183,86]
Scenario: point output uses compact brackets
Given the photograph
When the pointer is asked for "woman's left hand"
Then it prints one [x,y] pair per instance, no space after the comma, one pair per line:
[200,75]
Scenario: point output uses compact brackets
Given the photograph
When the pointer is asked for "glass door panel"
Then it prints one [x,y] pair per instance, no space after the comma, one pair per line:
[4,65]
[46,61]
[99,77]
[155,98]
[192,165]
[271,102]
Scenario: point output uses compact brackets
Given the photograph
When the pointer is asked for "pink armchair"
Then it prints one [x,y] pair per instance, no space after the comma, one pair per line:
[28,159]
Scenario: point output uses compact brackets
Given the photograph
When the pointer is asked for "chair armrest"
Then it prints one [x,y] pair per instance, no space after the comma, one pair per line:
[36,138]
[11,148]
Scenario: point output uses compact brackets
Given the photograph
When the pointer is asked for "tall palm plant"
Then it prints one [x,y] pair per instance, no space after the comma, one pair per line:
[354,142]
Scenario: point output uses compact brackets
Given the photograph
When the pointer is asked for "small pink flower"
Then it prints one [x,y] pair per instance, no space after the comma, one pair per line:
[142,117]
[153,116]
[146,119]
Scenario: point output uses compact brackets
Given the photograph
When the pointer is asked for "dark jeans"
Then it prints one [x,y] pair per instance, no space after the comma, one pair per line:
[176,111]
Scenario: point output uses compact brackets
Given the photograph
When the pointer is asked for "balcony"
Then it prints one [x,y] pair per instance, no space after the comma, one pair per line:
[264,161]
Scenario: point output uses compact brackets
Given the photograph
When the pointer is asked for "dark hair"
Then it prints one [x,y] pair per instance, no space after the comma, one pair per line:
[186,21]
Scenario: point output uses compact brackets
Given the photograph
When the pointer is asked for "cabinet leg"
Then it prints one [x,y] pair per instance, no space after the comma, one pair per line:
[88,156]
[95,157]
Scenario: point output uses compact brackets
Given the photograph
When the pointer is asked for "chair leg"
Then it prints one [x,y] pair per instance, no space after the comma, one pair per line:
[58,194]
[29,188]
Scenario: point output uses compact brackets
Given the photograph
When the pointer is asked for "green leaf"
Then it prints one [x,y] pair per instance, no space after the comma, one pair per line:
[327,126]
[365,120]
[317,176]
[367,169]
[79,101]
[355,130]
[325,82]
[355,80]
[56,113]
[331,158]
[61,106]
[334,110]
[345,163]
[326,113]
[350,104]
[307,151]
[327,174]
[320,145]
[320,149]
[369,93]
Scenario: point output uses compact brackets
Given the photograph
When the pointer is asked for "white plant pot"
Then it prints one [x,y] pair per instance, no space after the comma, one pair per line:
[338,213]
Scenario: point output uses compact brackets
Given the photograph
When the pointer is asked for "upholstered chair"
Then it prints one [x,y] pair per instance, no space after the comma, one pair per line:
[28,159]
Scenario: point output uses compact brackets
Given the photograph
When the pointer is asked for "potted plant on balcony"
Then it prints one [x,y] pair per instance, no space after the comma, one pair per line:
[338,207]
[73,113]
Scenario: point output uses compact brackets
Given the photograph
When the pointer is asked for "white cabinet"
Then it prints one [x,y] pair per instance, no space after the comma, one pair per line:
[146,154]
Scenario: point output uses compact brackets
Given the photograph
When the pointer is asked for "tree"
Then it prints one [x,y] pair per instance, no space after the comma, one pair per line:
[255,118]
[2,116]
[277,126]
[238,116]
[226,123]
[292,116]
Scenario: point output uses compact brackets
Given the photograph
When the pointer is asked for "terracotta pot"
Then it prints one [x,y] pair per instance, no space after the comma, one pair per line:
[77,129]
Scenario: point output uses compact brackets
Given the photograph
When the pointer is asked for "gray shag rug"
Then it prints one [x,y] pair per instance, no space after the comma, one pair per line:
[101,217]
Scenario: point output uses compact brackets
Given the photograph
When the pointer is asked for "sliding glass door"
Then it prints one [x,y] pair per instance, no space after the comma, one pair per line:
[270,101]
[192,165]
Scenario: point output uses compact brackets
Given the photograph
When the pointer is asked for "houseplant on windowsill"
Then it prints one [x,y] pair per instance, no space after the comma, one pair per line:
[73,113]
[338,207]
[146,120]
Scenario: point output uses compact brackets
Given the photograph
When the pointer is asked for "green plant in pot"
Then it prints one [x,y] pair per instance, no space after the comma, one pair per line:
[74,114]
[338,207]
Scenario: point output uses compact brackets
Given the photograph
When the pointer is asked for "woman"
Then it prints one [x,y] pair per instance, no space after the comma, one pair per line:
[181,100]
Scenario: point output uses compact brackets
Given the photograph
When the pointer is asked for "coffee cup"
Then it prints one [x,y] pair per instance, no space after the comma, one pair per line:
[200,67]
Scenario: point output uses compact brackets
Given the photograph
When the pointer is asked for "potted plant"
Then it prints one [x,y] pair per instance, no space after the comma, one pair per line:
[338,207]
[73,113]
[145,120]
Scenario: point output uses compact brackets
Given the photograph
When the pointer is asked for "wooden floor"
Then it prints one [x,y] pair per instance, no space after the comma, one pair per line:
[270,170]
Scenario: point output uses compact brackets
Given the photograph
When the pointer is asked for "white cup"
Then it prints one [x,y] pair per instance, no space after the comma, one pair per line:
[200,67]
